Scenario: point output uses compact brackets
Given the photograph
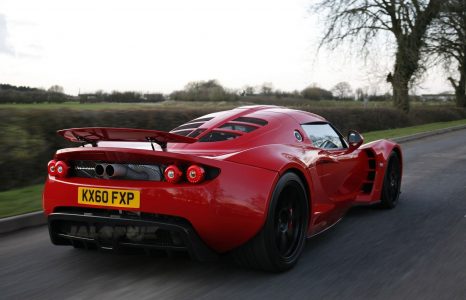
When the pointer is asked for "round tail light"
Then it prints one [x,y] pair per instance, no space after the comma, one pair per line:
[172,174]
[51,168]
[61,169]
[195,174]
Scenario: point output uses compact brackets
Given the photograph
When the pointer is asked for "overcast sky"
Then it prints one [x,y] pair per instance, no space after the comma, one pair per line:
[159,46]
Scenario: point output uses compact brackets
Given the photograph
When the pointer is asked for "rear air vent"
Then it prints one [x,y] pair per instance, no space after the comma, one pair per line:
[218,136]
[182,132]
[190,128]
[238,127]
[202,119]
[233,129]
[196,132]
[256,121]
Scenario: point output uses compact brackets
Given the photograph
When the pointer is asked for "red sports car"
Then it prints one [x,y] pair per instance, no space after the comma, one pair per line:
[254,181]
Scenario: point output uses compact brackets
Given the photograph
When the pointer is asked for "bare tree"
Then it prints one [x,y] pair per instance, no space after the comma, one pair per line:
[360,94]
[56,89]
[363,20]
[342,90]
[266,88]
[248,90]
[447,39]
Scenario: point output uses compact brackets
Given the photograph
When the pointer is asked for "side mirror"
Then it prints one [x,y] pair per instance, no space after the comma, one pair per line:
[355,140]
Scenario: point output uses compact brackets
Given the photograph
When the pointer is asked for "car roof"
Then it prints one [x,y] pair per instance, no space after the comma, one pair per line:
[267,112]
[268,124]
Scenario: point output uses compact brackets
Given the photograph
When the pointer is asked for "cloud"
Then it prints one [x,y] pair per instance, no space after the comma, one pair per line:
[4,46]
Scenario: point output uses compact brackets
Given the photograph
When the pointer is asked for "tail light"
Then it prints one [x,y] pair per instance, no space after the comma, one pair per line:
[172,174]
[61,169]
[51,168]
[195,174]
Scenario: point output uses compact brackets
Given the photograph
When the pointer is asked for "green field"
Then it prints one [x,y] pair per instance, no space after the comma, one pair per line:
[28,199]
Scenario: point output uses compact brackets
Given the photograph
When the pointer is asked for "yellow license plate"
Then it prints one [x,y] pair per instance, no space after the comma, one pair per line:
[109,197]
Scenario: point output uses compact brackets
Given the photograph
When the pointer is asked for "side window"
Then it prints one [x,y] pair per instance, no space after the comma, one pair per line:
[323,136]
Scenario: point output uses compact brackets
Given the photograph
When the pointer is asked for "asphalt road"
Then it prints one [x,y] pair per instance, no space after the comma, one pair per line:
[416,251]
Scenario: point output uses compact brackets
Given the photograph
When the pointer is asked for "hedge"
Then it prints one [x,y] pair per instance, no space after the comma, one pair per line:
[28,139]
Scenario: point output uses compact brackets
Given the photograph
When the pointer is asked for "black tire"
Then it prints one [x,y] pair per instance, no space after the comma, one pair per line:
[391,183]
[279,244]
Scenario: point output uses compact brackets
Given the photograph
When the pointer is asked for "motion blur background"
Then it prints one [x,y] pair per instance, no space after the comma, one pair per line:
[157,64]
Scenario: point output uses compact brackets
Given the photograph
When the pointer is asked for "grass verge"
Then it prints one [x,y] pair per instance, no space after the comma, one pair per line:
[20,201]
[28,199]
[399,132]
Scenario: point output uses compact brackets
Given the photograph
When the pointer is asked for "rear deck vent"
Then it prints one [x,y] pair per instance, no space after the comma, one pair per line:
[218,136]
[196,132]
[201,120]
[183,132]
[238,127]
[190,128]
[256,121]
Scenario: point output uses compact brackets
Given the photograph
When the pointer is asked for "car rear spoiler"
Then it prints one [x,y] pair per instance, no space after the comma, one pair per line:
[92,135]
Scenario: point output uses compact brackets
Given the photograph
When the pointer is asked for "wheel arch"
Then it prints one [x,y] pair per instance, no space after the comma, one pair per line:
[382,150]
[306,181]
[397,150]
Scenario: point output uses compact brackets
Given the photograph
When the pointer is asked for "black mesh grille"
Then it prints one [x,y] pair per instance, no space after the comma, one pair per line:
[87,169]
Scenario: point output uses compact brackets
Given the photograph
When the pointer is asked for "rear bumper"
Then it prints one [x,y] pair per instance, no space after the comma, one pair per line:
[111,231]
[225,212]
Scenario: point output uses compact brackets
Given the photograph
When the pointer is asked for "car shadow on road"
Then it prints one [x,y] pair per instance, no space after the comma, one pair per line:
[158,263]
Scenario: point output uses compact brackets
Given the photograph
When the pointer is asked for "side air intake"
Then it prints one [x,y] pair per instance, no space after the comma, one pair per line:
[368,183]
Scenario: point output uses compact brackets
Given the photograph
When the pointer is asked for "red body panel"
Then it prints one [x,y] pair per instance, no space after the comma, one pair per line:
[231,208]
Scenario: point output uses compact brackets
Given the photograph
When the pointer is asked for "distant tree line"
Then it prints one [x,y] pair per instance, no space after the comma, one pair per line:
[210,90]
[56,94]
[122,97]
[23,94]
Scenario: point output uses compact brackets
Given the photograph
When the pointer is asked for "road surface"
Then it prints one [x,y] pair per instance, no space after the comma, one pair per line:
[416,251]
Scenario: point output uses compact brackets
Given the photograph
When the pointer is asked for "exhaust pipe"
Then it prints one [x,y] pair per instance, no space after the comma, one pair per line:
[134,172]
[100,170]
[116,170]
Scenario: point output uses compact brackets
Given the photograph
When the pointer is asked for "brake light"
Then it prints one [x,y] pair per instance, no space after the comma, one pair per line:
[51,168]
[61,169]
[172,174]
[195,174]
